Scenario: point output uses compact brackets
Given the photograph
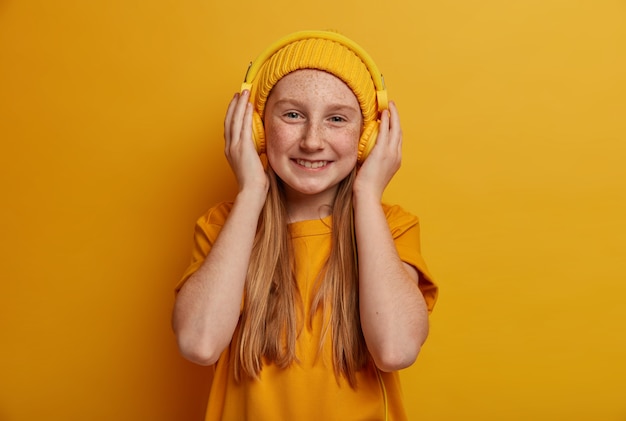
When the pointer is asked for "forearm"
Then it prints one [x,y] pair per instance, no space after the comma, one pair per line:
[394,316]
[207,307]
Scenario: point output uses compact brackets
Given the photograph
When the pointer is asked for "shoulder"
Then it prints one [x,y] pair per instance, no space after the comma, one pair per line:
[398,218]
[216,215]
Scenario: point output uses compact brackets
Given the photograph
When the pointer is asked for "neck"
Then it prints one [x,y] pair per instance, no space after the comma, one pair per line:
[305,207]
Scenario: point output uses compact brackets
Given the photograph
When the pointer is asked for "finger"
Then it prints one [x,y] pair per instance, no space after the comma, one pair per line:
[228,120]
[383,128]
[246,132]
[239,112]
[396,127]
[232,127]
[394,116]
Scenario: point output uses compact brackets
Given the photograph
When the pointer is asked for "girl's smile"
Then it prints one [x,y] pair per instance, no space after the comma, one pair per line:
[313,165]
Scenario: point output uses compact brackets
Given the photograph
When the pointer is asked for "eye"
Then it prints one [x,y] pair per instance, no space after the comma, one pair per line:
[292,115]
[337,119]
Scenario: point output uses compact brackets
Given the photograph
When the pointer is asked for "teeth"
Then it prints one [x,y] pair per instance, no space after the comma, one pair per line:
[313,165]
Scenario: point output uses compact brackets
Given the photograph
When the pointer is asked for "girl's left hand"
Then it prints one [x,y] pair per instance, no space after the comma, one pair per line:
[385,157]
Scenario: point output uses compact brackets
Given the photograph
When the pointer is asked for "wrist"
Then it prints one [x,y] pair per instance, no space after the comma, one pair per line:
[365,197]
[251,198]
[366,192]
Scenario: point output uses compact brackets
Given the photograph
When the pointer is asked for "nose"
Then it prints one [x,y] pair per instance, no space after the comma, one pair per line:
[312,137]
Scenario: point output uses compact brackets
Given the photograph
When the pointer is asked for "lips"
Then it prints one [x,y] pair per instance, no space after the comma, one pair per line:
[312,164]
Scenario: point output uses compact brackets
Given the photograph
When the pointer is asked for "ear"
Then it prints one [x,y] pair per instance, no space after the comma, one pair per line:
[368,140]
[258,132]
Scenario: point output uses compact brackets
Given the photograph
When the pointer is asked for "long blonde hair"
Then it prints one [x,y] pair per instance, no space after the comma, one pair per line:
[272,309]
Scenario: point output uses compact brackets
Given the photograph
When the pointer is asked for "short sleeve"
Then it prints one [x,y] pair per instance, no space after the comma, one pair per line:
[206,231]
[405,230]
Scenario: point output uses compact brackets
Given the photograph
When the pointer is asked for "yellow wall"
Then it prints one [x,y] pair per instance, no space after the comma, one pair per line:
[515,124]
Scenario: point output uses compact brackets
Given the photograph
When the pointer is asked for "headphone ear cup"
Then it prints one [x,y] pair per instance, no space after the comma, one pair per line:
[368,140]
[258,132]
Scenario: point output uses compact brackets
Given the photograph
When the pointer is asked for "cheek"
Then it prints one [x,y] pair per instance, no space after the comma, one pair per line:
[276,142]
[274,136]
[351,142]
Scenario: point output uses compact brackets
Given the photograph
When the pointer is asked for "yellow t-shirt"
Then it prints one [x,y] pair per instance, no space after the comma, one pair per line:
[308,389]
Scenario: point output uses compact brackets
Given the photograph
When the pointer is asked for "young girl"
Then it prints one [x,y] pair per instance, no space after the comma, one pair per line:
[306,293]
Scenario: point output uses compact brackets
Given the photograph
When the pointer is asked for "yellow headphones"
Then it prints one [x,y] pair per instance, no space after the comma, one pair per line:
[338,45]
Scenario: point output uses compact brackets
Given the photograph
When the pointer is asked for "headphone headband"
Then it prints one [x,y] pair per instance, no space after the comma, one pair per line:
[377,77]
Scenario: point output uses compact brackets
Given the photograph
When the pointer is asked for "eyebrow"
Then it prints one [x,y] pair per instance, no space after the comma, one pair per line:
[288,102]
[334,107]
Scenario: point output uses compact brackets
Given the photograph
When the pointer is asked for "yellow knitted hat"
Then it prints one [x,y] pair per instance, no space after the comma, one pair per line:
[321,50]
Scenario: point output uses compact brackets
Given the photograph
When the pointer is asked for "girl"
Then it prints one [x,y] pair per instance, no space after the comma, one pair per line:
[306,293]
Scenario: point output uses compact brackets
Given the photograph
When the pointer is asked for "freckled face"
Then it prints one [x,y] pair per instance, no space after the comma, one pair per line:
[312,126]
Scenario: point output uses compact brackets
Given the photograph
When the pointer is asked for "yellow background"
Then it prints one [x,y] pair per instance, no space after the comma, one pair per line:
[514,115]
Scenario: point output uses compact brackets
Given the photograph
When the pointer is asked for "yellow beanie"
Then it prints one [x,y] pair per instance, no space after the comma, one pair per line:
[321,50]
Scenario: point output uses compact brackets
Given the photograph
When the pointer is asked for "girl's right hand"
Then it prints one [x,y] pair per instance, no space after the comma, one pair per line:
[239,147]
